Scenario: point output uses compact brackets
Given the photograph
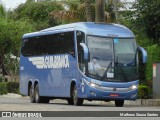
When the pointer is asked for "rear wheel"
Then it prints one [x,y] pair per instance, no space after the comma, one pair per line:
[38,98]
[32,95]
[77,101]
[119,103]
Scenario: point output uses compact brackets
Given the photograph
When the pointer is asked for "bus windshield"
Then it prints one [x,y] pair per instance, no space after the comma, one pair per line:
[101,54]
[112,59]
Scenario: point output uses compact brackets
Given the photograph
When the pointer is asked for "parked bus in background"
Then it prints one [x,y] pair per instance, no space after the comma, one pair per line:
[80,61]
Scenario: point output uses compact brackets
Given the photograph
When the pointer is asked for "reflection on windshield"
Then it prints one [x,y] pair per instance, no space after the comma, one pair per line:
[125,51]
[101,54]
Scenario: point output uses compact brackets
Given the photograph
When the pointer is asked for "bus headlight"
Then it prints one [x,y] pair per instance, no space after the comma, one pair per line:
[133,87]
[92,84]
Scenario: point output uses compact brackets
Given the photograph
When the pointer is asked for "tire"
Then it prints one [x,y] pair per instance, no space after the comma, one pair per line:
[70,101]
[77,101]
[119,103]
[38,98]
[31,94]
[45,99]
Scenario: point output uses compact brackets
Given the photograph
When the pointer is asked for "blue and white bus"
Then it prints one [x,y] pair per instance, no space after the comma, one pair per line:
[80,61]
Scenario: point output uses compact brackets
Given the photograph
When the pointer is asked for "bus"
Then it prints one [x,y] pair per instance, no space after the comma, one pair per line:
[80,61]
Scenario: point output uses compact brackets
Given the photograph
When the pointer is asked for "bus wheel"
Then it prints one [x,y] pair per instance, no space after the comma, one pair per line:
[77,101]
[45,100]
[119,103]
[70,101]
[38,99]
[31,94]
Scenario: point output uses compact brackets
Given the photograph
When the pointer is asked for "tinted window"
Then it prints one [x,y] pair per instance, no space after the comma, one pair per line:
[29,47]
[80,39]
[49,44]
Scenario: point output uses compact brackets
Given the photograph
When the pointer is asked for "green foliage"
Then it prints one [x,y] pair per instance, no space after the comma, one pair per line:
[143,92]
[3,88]
[10,38]
[153,56]
[10,35]
[36,13]
[147,16]
[13,87]
[2,11]
[9,87]
[75,12]
[11,64]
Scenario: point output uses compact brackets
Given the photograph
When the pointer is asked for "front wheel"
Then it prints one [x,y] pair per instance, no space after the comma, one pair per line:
[70,101]
[119,103]
[77,101]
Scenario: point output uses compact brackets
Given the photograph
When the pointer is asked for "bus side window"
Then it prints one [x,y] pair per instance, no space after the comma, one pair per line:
[80,39]
[29,47]
[66,41]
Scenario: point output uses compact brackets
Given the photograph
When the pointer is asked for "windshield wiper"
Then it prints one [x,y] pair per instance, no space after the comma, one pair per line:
[110,65]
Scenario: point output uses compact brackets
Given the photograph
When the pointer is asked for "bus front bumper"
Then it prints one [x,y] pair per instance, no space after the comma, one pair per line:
[94,92]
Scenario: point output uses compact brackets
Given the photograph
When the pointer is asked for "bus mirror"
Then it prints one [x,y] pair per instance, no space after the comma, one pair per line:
[144,54]
[85,49]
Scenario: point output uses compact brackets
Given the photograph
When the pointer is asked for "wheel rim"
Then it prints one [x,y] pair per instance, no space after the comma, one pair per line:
[36,95]
[31,93]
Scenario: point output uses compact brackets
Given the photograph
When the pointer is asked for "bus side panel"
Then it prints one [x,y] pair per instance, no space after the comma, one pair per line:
[24,75]
[54,82]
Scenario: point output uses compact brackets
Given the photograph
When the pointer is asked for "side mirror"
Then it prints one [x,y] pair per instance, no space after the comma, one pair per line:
[85,49]
[144,54]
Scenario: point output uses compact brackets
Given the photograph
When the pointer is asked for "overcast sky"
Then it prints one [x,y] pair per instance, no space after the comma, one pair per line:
[10,4]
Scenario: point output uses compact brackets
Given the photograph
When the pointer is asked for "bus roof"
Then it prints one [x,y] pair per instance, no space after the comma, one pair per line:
[90,28]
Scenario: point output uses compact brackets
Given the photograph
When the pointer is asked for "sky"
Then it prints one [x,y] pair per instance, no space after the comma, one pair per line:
[11,4]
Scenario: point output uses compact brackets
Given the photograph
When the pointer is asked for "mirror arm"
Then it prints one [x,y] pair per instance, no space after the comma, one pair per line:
[85,50]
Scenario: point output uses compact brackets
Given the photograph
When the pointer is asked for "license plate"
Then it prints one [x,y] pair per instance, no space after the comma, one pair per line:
[114,95]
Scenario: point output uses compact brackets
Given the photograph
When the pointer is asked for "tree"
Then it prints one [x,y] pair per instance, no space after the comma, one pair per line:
[88,8]
[37,13]
[10,35]
[100,11]
[2,11]
[115,3]
[74,11]
[147,18]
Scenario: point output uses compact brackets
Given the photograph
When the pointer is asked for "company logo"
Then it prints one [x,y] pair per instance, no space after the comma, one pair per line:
[6,114]
[59,61]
